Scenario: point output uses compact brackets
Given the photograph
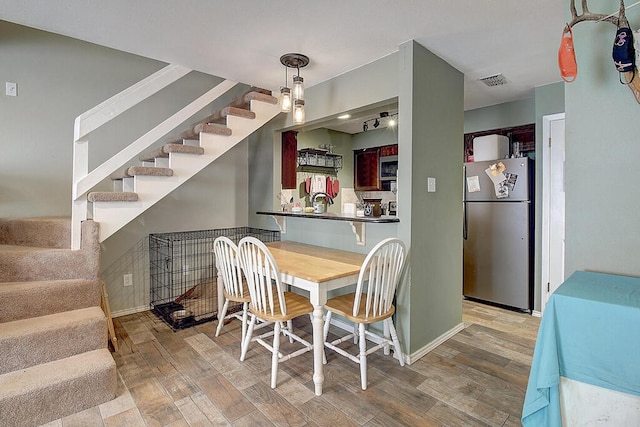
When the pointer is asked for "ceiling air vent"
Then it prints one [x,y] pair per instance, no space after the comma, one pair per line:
[495,80]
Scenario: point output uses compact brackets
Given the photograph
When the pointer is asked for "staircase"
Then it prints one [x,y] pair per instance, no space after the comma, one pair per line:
[53,333]
[162,170]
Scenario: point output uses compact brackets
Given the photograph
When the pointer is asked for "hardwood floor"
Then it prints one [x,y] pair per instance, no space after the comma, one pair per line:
[191,378]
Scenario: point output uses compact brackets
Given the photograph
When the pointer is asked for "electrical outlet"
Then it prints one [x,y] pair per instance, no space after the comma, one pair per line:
[431,185]
[128,280]
[185,270]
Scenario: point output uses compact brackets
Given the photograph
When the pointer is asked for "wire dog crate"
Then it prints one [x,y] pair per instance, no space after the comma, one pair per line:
[183,280]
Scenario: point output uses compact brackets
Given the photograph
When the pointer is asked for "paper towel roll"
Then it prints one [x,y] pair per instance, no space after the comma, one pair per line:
[349,208]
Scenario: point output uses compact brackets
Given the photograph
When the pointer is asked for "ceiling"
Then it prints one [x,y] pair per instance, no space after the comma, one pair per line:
[242,40]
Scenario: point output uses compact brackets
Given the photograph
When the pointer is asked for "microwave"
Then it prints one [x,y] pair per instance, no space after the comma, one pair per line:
[388,172]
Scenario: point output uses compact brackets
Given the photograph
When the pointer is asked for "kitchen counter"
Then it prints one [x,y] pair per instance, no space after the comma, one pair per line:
[334,216]
[357,223]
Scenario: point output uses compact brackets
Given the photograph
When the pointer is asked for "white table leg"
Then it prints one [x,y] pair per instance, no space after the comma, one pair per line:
[318,348]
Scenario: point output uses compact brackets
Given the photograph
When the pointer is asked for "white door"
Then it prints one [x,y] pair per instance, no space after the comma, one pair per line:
[552,204]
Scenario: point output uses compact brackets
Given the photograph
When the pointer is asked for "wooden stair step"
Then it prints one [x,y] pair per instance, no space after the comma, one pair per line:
[170,148]
[112,196]
[132,171]
[21,300]
[36,340]
[43,393]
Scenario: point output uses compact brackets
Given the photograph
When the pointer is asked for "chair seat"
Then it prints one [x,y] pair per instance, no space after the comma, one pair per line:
[245,292]
[343,305]
[297,305]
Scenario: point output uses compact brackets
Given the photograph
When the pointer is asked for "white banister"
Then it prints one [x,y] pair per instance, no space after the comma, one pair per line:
[83,180]
[145,141]
[121,102]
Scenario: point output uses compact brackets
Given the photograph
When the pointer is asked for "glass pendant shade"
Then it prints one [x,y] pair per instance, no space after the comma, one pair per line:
[298,88]
[298,112]
[285,99]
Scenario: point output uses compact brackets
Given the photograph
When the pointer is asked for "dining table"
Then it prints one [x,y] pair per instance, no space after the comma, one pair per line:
[317,270]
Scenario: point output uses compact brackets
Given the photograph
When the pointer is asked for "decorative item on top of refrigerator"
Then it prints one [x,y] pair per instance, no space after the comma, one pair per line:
[490,147]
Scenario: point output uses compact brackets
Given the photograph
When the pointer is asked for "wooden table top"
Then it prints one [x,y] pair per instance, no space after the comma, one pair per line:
[315,263]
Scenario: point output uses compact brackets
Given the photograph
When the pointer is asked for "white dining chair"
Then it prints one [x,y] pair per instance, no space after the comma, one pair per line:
[270,303]
[371,302]
[235,289]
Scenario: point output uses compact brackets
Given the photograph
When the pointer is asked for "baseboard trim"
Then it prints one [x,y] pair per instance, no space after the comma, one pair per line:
[408,358]
[536,313]
[128,311]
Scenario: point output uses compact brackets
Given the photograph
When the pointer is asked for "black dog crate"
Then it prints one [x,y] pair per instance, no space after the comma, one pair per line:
[183,283]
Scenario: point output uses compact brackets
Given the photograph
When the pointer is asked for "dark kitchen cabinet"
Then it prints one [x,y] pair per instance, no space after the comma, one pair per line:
[366,171]
[289,156]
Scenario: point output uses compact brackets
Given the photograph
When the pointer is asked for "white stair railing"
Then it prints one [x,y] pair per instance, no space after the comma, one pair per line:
[83,180]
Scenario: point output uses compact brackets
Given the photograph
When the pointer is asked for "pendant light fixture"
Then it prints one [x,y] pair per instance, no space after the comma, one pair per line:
[294,98]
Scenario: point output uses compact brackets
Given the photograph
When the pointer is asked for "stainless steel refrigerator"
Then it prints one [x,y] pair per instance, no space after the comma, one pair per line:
[498,232]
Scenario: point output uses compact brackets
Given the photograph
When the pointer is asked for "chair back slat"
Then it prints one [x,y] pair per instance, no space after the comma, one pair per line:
[379,277]
[227,264]
[263,277]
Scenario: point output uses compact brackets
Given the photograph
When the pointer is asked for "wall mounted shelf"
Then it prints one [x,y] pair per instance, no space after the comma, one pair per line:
[314,159]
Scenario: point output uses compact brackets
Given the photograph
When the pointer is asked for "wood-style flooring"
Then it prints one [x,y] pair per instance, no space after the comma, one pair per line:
[191,378]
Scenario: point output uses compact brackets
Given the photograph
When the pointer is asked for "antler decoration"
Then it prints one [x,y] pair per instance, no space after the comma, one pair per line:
[631,77]
[588,16]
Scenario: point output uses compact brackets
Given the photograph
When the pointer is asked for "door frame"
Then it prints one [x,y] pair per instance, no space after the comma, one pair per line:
[546,207]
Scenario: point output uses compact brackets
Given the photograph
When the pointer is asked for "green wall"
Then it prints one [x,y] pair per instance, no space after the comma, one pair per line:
[430,132]
[602,151]
[521,112]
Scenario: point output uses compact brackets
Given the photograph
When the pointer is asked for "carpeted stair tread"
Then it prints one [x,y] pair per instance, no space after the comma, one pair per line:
[24,263]
[220,116]
[216,129]
[49,232]
[36,340]
[43,393]
[245,100]
[112,196]
[132,171]
[21,300]
[170,148]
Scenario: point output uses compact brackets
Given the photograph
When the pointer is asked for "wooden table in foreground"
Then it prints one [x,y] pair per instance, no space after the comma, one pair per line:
[316,270]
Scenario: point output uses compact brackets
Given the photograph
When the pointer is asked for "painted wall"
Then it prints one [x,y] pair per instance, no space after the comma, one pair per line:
[58,79]
[602,152]
[430,131]
[520,112]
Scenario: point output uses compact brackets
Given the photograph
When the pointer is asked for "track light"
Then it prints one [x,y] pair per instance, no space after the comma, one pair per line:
[391,121]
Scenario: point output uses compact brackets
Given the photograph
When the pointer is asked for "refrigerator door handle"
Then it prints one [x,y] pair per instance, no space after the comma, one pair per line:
[464,202]
[464,220]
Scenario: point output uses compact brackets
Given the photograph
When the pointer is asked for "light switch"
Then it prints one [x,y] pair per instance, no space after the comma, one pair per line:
[431,185]
[128,280]
[11,89]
